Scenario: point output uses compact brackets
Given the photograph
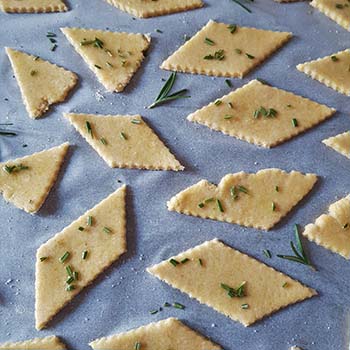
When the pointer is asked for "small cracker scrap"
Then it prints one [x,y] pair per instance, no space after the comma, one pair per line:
[113,57]
[254,200]
[337,10]
[101,233]
[26,182]
[32,6]
[124,141]
[166,334]
[47,343]
[340,143]
[151,8]
[41,83]
[213,268]
[219,49]
[236,114]
[333,71]
[332,230]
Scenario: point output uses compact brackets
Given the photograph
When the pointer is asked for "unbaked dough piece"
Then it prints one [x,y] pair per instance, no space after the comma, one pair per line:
[26,182]
[32,6]
[254,200]
[243,49]
[41,82]
[333,71]
[101,233]
[337,10]
[162,335]
[332,230]
[152,8]
[113,57]
[124,141]
[265,290]
[340,143]
[47,343]
[236,114]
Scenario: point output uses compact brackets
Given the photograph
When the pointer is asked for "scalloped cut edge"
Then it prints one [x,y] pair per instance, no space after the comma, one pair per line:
[32,9]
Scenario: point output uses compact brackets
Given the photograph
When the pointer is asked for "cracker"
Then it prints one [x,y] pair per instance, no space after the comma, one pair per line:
[236,114]
[340,143]
[113,57]
[124,141]
[166,334]
[26,182]
[338,11]
[213,263]
[41,82]
[151,8]
[101,232]
[254,200]
[332,71]
[254,46]
[332,230]
[47,343]
[32,6]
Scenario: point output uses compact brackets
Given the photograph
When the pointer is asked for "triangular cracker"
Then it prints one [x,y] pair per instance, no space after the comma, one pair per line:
[254,200]
[47,343]
[26,182]
[213,272]
[163,335]
[340,143]
[124,141]
[338,11]
[332,230]
[113,57]
[332,71]
[87,247]
[32,6]
[221,49]
[41,82]
[151,8]
[261,114]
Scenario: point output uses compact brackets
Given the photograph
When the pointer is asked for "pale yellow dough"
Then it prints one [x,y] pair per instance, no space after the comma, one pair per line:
[151,8]
[162,335]
[41,82]
[115,60]
[333,73]
[340,143]
[189,58]
[47,343]
[332,230]
[104,240]
[32,6]
[234,116]
[124,141]
[329,8]
[266,290]
[28,189]
[252,209]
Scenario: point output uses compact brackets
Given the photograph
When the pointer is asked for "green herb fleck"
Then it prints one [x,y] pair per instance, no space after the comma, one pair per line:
[43,258]
[84,254]
[294,122]
[64,257]
[106,230]
[184,261]
[218,55]
[89,220]
[209,41]
[232,28]
[89,129]
[267,253]
[219,205]
[179,306]
[174,262]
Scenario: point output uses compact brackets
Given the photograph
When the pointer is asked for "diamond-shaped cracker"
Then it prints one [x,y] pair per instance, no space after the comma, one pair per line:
[162,335]
[152,8]
[261,114]
[26,182]
[47,343]
[213,273]
[221,49]
[332,230]
[32,6]
[340,143]
[74,257]
[337,10]
[113,57]
[41,82]
[254,200]
[124,141]
[333,71]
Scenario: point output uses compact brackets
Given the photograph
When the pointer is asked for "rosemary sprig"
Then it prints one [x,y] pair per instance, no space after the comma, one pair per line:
[164,92]
[242,5]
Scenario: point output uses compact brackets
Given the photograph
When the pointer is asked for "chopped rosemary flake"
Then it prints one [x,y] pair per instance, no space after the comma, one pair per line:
[53,41]
[36,58]
[334,58]
[267,113]
[153,312]
[109,64]
[294,122]
[70,288]
[64,257]
[251,57]
[43,258]
[234,292]
[69,270]
[242,189]
[228,83]
[136,121]
[227,116]
[184,261]
[122,136]
[285,284]
[54,47]
[103,141]
[243,6]
[137,346]
[238,51]
[89,129]
[200,261]
[209,41]
[108,52]
[106,230]
[233,193]
[81,228]
[230,105]
[70,280]
[96,43]
[75,275]
[97,66]
[218,55]
[217,102]
[89,220]
[219,205]
[159,31]
[277,189]
[166,304]
[15,168]
[232,28]
[50,35]
[200,205]
[245,306]
[179,306]
[273,206]
[208,200]
[346,226]
[339,6]
[267,253]
[174,262]
[84,254]
[33,72]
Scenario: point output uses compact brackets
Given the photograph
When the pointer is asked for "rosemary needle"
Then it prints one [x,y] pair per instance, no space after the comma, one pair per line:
[243,6]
